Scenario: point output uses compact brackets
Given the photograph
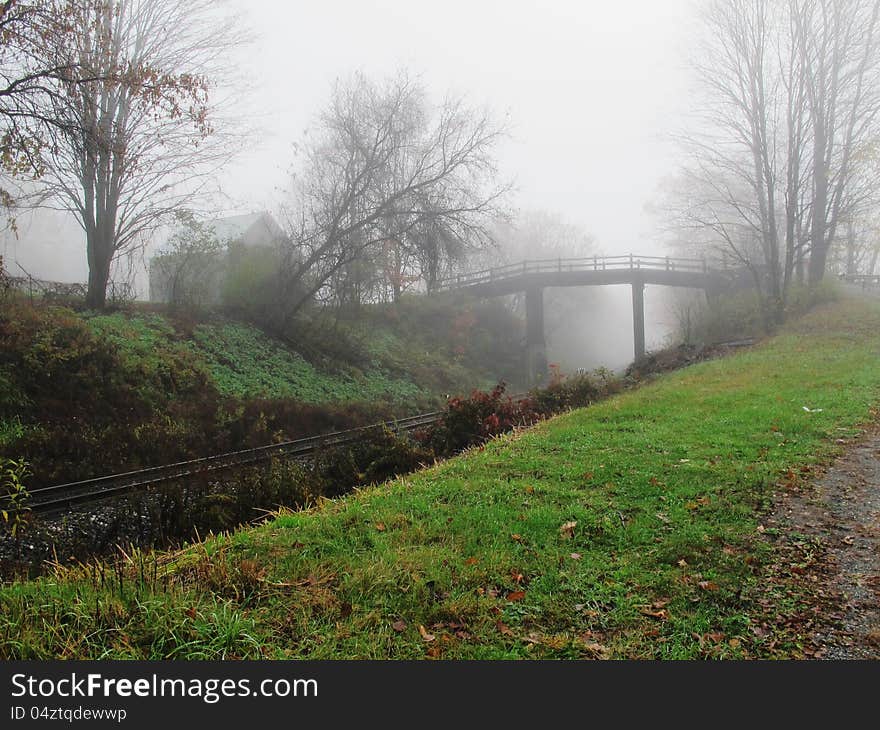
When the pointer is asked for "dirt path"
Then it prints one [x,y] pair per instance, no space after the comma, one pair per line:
[838,513]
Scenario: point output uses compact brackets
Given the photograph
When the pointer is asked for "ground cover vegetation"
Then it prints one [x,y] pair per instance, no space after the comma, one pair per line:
[84,394]
[632,528]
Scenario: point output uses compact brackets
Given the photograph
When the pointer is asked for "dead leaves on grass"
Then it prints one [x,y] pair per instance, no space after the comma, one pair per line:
[656,610]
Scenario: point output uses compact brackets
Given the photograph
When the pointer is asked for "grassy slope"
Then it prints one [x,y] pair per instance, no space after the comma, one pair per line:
[245,363]
[407,354]
[665,485]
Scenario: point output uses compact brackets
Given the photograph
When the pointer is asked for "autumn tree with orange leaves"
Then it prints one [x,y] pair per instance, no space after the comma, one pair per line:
[134,135]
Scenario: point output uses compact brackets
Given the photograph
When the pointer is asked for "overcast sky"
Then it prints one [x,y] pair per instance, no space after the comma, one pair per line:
[592,90]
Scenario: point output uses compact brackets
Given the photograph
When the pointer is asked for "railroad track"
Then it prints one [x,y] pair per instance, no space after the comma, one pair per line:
[62,497]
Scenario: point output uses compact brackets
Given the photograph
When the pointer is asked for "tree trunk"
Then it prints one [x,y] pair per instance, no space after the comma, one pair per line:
[850,249]
[96,296]
[100,255]
[818,240]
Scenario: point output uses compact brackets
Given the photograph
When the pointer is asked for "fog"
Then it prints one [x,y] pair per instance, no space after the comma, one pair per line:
[591,91]
[598,332]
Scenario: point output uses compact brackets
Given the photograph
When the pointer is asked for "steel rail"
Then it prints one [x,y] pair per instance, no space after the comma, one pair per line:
[60,497]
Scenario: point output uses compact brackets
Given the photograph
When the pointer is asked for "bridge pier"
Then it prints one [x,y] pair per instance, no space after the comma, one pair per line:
[536,349]
[638,289]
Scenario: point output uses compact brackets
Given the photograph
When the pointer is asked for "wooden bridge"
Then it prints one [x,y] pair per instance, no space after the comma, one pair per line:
[866,281]
[532,277]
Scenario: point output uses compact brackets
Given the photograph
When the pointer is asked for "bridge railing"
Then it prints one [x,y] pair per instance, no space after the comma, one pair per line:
[865,280]
[560,265]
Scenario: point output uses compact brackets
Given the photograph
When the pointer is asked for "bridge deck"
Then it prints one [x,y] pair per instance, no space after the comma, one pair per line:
[598,271]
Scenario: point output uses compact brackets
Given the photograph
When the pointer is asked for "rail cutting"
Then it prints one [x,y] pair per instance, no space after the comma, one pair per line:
[61,497]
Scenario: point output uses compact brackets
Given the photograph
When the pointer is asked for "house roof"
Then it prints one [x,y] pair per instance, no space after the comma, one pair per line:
[236,227]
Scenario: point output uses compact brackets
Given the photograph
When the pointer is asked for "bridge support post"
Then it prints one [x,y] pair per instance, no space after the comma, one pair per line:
[712,297]
[536,350]
[638,289]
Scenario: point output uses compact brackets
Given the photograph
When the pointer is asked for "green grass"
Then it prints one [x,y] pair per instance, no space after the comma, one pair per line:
[627,529]
[246,363]
[243,362]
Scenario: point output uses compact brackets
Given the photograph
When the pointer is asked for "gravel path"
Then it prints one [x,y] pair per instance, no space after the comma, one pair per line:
[841,509]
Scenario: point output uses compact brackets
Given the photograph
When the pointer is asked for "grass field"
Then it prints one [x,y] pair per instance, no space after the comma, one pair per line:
[630,529]
[243,362]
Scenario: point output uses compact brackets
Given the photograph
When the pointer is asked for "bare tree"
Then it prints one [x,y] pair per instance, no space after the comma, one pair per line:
[778,160]
[140,142]
[385,171]
[33,72]
[840,60]
[731,195]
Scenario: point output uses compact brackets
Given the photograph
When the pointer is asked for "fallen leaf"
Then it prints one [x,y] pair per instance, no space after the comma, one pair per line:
[516,537]
[433,652]
[682,563]
[663,517]
[399,626]
[662,614]
[575,556]
[708,585]
[425,635]
[567,529]
[516,596]
[380,526]
[517,577]
[734,643]
[471,561]
[596,649]
[503,628]
[849,539]
[558,641]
